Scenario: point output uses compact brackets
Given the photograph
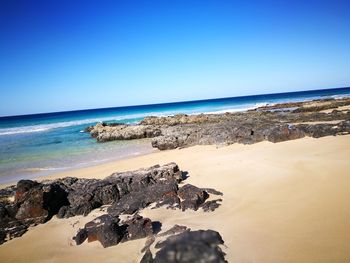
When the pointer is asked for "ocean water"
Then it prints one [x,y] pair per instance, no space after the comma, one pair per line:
[40,144]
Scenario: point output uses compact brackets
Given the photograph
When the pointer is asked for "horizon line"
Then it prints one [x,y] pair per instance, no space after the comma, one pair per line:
[167,103]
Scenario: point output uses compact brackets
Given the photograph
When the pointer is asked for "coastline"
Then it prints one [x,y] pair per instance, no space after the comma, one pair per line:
[54,174]
[279,201]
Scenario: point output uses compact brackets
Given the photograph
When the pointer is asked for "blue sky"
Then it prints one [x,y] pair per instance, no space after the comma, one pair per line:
[66,55]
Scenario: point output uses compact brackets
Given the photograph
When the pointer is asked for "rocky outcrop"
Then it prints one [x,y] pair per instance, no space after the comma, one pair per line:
[274,123]
[85,195]
[103,132]
[30,203]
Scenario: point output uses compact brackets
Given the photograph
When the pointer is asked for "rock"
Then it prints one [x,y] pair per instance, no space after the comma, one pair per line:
[191,246]
[103,132]
[284,132]
[147,257]
[109,231]
[23,186]
[40,202]
[321,130]
[81,236]
[211,205]
[163,193]
[137,227]
[166,142]
[104,229]
[27,204]
[88,194]
[212,191]
[193,197]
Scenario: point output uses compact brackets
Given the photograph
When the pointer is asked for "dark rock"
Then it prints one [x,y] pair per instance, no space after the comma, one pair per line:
[147,257]
[2,236]
[193,197]
[23,186]
[164,193]
[40,202]
[284,132]
[191,246]
[212,191]
[321,130]
[109,231]
[211,205]
[125,191]
[104,229]
[137,227]
[81,236]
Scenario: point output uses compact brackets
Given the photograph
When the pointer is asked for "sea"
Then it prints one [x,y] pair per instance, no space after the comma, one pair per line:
[41,144]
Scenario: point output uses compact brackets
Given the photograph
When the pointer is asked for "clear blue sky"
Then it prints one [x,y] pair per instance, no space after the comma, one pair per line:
[65,55]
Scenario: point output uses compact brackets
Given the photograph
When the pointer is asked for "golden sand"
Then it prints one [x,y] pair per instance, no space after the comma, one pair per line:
[284,202]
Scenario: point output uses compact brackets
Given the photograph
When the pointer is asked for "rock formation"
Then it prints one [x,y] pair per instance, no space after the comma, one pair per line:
[274,123]
[30,203]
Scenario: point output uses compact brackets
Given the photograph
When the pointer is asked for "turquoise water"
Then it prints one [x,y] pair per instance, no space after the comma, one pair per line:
[36,145]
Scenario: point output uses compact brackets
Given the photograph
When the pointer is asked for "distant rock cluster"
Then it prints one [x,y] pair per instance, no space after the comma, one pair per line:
[275,123]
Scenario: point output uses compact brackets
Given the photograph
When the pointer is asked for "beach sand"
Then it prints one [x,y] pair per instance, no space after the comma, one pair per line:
[283,202]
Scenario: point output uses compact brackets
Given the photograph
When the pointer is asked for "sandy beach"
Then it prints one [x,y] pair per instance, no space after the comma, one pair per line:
[282,202]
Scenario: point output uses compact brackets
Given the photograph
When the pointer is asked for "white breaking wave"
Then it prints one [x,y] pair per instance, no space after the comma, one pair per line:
[47,127]
[250,107]
[51,126]
[342,96]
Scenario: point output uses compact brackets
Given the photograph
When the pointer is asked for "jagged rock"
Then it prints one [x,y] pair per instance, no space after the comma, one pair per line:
[103,132]
[31,203]
[109,231]
[104,229]
[39,202]
[81,236]
[23,186]
[137,227]
[193,197]
[212,191]
[284,132]
[164,193]
[166,142]
[320,130]
[88,194]
[191,246]
[211,205]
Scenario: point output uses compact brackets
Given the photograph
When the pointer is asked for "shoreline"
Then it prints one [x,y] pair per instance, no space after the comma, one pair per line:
[278,201]
[177,131]
[104,169]
[56,173]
